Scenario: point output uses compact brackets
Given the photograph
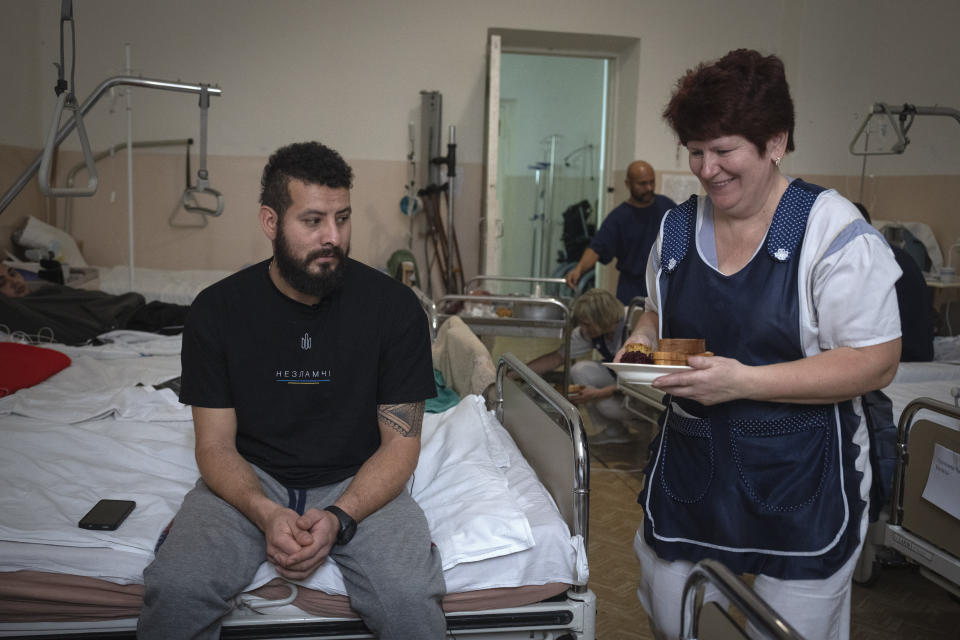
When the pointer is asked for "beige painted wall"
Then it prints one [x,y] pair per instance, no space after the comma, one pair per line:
[349,73]
[234,239]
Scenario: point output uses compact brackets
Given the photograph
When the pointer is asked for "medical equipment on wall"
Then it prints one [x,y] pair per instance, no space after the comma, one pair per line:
[410,204]
[445,249]
[202,188]
[76,120]
[143,144]
[67,100]
[900,126]
[149,83]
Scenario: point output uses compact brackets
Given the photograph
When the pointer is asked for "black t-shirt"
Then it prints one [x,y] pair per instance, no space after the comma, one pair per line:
[305,381]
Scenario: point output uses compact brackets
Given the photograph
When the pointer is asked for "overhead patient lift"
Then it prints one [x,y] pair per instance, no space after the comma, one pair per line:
[66,100]
[900,126]
[906,113]
[190,201]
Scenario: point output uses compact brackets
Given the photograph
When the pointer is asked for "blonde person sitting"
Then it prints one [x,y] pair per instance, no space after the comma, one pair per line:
[599,317]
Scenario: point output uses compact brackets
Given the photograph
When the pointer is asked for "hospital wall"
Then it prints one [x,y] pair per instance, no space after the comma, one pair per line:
[350,73]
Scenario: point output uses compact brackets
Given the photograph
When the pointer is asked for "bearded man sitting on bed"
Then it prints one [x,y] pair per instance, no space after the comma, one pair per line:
[307,374]
[77,316]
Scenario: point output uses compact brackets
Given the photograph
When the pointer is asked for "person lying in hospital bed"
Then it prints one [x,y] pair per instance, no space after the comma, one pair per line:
[76,316]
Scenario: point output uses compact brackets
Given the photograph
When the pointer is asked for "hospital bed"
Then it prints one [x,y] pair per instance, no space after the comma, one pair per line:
[178,286]
[922,523]
[702,620]
[513,538]
[533,315]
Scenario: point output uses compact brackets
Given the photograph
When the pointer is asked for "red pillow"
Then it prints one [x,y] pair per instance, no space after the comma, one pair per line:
[23,365]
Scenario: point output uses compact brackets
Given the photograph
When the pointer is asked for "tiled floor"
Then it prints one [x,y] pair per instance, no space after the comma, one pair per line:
[901,604]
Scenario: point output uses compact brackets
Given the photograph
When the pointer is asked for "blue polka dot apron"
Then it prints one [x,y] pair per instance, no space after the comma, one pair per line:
[763,487]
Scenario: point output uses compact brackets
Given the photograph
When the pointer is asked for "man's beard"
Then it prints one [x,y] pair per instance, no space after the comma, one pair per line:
[295,272]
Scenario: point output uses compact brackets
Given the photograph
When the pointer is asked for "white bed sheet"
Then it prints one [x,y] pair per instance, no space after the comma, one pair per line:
[936,380]
[54,469]
[179,286]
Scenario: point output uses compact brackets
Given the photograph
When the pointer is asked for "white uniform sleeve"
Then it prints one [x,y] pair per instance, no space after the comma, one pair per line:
[853,294]
[651,276]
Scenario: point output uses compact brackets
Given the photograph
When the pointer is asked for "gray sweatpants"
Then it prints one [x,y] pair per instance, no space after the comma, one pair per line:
[392,572]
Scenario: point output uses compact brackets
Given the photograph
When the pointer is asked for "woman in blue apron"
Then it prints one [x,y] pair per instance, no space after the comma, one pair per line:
[762,459]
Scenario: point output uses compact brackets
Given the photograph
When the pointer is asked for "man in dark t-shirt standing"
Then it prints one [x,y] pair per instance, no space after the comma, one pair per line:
[307,374]
[627,234]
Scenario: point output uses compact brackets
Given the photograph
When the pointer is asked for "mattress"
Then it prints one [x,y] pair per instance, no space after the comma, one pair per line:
[165,285]
[937,380]
[100,429]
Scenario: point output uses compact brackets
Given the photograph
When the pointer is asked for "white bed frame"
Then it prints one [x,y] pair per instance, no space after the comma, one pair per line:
[549,432]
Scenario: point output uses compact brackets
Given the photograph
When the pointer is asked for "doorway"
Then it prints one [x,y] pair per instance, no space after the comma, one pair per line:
[550,160]
[556,105]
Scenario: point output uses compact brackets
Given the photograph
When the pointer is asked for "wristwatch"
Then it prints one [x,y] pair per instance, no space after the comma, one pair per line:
[348,526]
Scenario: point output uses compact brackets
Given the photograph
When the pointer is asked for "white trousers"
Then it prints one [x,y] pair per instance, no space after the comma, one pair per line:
[817,609]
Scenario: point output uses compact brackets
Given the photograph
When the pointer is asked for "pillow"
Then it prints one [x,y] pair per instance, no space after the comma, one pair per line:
[40,235]
[25,365]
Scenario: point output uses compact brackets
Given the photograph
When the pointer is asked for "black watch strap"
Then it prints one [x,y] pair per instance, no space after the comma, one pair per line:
[348,526]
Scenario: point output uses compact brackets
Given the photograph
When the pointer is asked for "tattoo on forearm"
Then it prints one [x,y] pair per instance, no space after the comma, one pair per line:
[404,418]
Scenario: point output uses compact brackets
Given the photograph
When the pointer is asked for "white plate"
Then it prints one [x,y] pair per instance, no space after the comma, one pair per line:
[643,373]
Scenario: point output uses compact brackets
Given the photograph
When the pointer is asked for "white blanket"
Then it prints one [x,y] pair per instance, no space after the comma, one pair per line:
[57,460]
[165,285]
[937,380]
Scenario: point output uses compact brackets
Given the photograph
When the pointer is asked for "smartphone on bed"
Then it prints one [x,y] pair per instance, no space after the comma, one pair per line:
[107,515]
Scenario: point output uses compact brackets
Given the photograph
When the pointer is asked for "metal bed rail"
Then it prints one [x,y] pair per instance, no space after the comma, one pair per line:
[903,439]
[495,326]
[758,612]
[938,564]
[573,424]
[429,308]
[529,280]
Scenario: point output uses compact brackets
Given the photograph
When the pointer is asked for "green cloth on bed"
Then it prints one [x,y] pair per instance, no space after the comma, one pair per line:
[446,397]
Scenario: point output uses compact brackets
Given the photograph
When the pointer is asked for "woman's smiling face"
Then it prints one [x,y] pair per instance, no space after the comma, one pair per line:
[733,173]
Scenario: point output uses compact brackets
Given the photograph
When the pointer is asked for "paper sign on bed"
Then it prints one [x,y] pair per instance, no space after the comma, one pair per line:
[943,482]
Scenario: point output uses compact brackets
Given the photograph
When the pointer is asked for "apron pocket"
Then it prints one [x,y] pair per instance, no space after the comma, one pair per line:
[783,463]
[687,459]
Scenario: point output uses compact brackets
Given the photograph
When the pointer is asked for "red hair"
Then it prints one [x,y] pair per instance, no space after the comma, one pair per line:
[743,93]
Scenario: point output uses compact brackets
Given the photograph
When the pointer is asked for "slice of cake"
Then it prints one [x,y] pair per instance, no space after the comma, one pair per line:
[636,353]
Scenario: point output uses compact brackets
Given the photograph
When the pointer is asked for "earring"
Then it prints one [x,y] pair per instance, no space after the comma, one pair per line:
[777,160]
